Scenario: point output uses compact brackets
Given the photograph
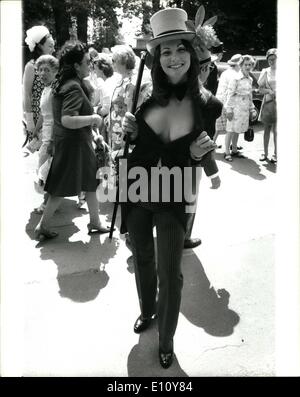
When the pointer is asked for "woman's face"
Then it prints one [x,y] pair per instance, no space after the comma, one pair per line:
[118,66]
[98,71]
[83,68]
[246,67]
[204,72]
[272,60]
[48,46]
[175,60]
[47,73]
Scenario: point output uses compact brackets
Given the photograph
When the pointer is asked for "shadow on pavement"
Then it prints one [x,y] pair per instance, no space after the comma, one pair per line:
[201,304]
[80,265]
[143,359]
[244,166]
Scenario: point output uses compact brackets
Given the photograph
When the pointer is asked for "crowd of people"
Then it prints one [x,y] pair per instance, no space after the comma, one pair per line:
[77,110]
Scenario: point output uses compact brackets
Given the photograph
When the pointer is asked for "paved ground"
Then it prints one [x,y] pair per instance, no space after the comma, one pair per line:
[80,301]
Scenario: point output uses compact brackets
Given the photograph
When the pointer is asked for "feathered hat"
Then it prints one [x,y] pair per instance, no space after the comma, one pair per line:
[205,35]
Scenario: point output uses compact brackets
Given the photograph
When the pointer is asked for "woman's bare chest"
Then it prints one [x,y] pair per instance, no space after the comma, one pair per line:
[171,122]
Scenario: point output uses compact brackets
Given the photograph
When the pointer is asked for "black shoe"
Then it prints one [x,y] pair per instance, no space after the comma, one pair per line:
[166,359]
[142,323]
[191,242]
[238,147]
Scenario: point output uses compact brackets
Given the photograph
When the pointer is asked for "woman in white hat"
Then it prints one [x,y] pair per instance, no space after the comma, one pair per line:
[225,78]
[40,42]
[170,133]
[239,107]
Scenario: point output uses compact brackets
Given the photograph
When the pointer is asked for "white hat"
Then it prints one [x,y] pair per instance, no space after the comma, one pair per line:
[168,24]
[235,60]
[35,35]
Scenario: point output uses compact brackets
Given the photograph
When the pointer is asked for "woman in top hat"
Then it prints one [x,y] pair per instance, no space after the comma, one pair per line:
[170,133]
[40,42]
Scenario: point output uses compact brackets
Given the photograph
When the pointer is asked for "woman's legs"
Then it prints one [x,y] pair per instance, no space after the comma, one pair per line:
[41,231]
[267,131]
[228,138]
[170,239]
[140,227]
[235,138]
[275,140]
[93,206]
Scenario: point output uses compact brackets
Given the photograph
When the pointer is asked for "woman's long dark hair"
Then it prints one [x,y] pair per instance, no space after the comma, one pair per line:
[161,85]
[71,52]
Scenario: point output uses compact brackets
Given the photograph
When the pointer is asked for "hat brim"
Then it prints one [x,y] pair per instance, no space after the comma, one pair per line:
[233,63]
[153,43]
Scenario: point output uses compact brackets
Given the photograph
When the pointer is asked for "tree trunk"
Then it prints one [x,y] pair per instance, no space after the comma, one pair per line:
[82,25]
[62,21]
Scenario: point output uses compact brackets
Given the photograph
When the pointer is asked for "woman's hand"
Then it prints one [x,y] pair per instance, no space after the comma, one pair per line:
[253,115]
[97,121]
[229,115]
[30,126]
[202,145]
[129,126]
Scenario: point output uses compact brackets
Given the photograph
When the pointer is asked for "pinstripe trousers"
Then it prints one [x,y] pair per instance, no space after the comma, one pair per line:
[167,273]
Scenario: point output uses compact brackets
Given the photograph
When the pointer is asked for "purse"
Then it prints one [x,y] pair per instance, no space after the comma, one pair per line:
[249,135]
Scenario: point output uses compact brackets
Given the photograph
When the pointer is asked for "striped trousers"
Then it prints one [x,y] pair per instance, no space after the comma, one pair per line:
[167,273]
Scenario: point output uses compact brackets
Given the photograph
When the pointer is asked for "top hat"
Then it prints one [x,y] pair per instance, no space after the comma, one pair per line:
[235,60]
[168,24]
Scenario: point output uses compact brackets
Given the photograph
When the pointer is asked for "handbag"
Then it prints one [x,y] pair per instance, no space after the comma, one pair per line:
[249,135]
[268,112]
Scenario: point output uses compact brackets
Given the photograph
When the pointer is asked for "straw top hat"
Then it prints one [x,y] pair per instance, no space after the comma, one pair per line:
[235,60]
[168,24]
[34,35]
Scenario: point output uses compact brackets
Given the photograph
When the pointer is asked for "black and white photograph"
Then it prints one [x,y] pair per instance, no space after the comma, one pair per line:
[149,209]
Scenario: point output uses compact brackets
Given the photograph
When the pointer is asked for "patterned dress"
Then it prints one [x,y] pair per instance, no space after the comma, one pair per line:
[120,104]
[36,92]
[221,94]
[239,101]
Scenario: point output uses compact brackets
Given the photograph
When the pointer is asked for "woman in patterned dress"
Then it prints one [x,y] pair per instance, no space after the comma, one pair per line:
[239,106]
[40,42]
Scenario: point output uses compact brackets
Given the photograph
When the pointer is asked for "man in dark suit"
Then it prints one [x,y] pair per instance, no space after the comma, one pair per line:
[212,81]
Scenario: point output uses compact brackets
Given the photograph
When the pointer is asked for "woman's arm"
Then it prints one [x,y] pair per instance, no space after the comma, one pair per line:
[38,126]
[76,122]
[28,78]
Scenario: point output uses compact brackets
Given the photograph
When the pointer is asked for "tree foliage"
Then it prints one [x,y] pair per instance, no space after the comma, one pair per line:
[243,26]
